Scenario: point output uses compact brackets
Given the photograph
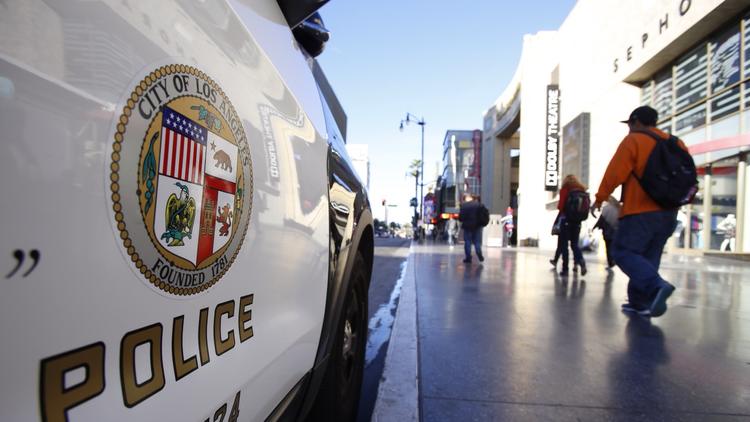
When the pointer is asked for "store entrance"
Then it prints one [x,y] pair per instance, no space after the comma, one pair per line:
[710,222]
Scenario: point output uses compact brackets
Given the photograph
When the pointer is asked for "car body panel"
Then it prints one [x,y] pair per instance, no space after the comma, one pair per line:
[350,234]
[69,68]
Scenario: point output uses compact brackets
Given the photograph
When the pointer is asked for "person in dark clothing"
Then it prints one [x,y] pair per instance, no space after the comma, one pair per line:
[608,224]
[560,239]
[570,230]
[469,218]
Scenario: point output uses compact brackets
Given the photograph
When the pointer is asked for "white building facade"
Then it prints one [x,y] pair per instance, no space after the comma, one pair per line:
[360,156]
[690,60]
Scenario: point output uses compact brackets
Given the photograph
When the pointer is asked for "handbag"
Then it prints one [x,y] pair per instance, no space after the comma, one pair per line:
[557,224]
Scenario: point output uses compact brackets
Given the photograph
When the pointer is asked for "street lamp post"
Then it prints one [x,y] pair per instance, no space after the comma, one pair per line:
[420,121]
[416,190]
[385,206]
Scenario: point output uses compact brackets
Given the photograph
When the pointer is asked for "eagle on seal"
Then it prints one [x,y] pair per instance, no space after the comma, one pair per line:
[179,216]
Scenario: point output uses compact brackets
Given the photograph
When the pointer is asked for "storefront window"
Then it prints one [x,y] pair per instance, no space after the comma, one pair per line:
[450,197]
[681,231]
[723,210]
[692,216]
[725,103]
[690,119]
[746,25]
[724,204]
[663,94]
[709,83]
[725,60]
[690,76]
[666,126]
[647,93]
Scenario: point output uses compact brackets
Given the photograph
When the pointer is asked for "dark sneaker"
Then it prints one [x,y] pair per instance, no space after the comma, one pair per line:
[635,309]
[659,305]
[467,260]
[481,258]
[553,262]
[583,269]
[564,272]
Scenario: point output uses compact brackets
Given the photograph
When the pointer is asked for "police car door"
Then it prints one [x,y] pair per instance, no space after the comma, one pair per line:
[165,230]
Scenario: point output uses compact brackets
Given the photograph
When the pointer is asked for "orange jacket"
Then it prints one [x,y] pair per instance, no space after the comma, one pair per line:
[630,158]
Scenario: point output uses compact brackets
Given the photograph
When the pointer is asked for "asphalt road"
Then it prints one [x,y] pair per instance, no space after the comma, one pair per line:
[390,255]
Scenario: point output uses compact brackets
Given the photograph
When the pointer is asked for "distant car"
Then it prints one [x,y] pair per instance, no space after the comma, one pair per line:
[183,236]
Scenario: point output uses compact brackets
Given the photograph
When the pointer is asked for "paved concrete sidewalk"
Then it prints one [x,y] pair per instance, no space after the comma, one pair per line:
[510,340]
[398,394]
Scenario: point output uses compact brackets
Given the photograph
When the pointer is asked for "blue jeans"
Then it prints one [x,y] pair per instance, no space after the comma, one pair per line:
[638,246]
[560,246]
[473,237]
[569,233]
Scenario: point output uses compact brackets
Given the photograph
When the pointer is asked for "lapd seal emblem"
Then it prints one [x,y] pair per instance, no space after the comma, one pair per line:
[181,180]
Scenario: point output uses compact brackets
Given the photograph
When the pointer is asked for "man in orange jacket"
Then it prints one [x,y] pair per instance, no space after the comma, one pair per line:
[644,226]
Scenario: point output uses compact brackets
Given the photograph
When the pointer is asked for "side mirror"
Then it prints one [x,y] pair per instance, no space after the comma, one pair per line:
[312,35]
[296,11]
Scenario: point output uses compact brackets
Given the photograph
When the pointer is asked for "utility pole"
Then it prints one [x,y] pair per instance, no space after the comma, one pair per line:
[416,195]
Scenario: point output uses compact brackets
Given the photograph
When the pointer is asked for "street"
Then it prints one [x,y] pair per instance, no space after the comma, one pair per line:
[511,340]
[390,257]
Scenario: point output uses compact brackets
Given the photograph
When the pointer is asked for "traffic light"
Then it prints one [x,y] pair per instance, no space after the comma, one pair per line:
[383,202]
[413,202]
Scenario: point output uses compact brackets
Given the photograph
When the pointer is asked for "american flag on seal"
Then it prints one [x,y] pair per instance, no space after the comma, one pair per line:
[196,190]
[183,147]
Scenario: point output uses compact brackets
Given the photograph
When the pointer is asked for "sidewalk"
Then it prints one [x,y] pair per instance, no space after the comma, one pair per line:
[511,340]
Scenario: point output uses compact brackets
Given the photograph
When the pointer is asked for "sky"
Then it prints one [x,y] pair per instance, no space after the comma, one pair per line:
[446,61]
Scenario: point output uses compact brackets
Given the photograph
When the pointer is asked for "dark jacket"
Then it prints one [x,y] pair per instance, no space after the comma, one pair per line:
[564,191]
[608,232]
[469,215]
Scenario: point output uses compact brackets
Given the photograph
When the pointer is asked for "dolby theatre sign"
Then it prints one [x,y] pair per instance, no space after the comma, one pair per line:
[552,152]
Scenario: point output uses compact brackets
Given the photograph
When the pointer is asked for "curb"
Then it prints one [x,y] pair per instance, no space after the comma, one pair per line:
[398,393]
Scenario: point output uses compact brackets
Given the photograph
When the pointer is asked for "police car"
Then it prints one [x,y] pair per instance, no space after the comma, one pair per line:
[183,236]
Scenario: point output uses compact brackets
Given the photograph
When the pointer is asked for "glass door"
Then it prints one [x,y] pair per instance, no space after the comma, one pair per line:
[724,205]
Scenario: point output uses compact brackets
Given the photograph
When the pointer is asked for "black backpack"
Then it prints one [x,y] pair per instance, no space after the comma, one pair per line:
[483,215]
[577,206]
[670,177]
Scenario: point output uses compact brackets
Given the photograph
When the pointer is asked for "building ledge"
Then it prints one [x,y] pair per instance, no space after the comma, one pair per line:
[702,29]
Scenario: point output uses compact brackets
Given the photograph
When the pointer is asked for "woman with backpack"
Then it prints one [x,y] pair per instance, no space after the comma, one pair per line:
[556,226]
[574,207]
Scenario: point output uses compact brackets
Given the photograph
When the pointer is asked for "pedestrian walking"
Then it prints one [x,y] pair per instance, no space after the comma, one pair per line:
[556,226]
[473,216]
[657,175]
[727,227]
[507,223]
[574,208]
[607,223]
[452,229]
